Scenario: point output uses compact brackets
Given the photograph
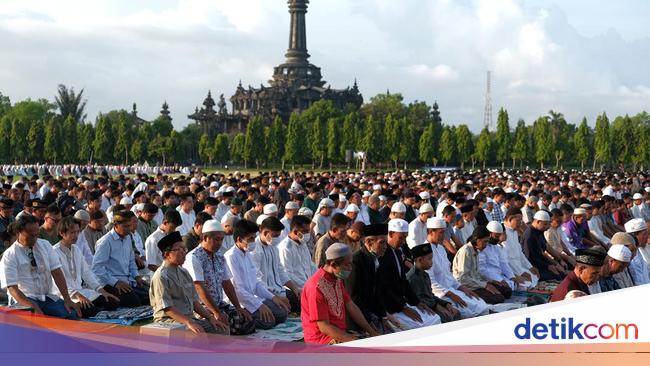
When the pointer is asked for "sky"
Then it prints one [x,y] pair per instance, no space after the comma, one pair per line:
[577,57]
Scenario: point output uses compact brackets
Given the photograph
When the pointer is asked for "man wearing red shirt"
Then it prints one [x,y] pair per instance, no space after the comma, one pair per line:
[325,301]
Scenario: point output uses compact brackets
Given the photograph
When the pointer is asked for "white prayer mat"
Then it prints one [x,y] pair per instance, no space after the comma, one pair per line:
[123,316]
[289,331]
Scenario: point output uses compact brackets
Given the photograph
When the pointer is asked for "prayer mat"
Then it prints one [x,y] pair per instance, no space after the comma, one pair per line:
[499,308]
[289,331]
[123,316]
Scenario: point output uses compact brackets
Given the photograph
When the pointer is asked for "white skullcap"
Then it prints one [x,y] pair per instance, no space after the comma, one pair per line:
[138,207]
[214,185]
[425,195]
[542,215]
[382,198]
[647,189]
[376,187]
[579,211]
[436,223]
[490,200]
[426,208]
[326,202]
[398,207]
[352,208]
[337,250]
[194,181]
[230,189]
[366,194]
[270,208]
[292,205]
[342,198]
[261,218]
[637,196]
[620,252]
[126,201]
[495,227]
[398,226]
[211,226]
[304,211]
[635,225]
[622,239]
[82,215]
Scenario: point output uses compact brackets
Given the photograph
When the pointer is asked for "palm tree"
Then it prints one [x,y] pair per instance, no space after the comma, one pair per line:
[70,104]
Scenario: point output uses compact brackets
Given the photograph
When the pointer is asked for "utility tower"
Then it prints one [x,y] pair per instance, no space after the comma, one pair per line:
[487,118]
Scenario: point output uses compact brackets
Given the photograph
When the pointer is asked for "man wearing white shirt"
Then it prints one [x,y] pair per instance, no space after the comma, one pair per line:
[267,309]
[83,286]
[27,269]
[186,209]
[418,227]
[83,218]
[638,267]
[493,264]
[290,211]
[512,249]
[443,284]
[171,220]
[295,257]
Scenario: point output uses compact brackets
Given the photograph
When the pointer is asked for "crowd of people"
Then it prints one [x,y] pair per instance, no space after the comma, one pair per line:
[352,254]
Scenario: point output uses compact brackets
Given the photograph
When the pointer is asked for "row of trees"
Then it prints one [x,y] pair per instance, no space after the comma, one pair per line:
[386,129]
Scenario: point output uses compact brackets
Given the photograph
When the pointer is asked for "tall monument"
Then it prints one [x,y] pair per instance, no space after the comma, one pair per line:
[296,84]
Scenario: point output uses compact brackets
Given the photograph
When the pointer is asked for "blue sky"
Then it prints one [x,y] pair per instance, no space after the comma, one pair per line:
[578,57]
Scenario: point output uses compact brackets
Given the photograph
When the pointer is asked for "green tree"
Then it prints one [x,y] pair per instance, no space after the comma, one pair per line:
[624,139]
[382,105]
[317,141]
[254,147]
[602,140]
[52,145]
[5,139]
[205,149]
[221,150]
[237,147]
[86,135]
[447,145]
[371,140]
[333,141]
[71,142]
[70,104]
[162,126]
[393,139]
[123,134]
[582,143]
[503,138]
[160,148]
[543,141]
[35,141]
[349,134]
[408,148]
[483,146]
[276,141]
[426,146]
[520,147]
[5,105]
[138,150]
[103,138]
[463,144]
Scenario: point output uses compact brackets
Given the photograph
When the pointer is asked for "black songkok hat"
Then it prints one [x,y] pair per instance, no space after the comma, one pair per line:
[375,230]
[168,241]
[466,208]
[421,250]
[590,257]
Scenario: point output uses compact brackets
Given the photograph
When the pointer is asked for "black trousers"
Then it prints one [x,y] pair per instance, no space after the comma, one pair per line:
[137,297]
[294,301]
[99,304]
[504,293]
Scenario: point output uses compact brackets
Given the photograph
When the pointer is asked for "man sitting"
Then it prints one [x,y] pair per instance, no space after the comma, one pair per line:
[173,297]
[114,264]
[325,302]
[208,268]
[336,233]
[294,252]
[171,221]
[27,269]
[617,261]
[267,309]
[585,273]
[493,264]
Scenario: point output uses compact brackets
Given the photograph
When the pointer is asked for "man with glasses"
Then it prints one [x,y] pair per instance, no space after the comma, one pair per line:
[50,228]
[30,268]
[173,297]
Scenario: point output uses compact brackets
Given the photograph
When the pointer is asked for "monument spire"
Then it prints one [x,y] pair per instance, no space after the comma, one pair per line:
[297,52]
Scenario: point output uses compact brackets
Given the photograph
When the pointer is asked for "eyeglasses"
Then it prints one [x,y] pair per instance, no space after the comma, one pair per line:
[32,259]
[182,249]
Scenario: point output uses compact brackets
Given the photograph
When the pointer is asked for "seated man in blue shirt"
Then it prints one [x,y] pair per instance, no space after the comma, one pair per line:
[114,263]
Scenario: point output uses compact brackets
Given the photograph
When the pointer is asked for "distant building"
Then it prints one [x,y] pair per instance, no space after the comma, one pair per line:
[295,86]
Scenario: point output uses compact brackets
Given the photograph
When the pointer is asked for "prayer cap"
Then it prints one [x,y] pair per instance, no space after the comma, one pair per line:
[270,208]
[436,223]
[590,257]
[168,241]
[366,194]
[236,202]
[637,196]
[7,203]
[337,250]
[325,202]
[305,211]
[214,185]
[126,201]
[82,215]
[542,215]
[426,208]
[421,250]
[398,226]
[425,195]
[120,217]
[398,207]
[38,204]
[376,187]
[211,226]
[375,230]
[620,252]
[352,208]
[292,205]
[635,225]
[261,218]
[495,227]
[622,239]
[579,212]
